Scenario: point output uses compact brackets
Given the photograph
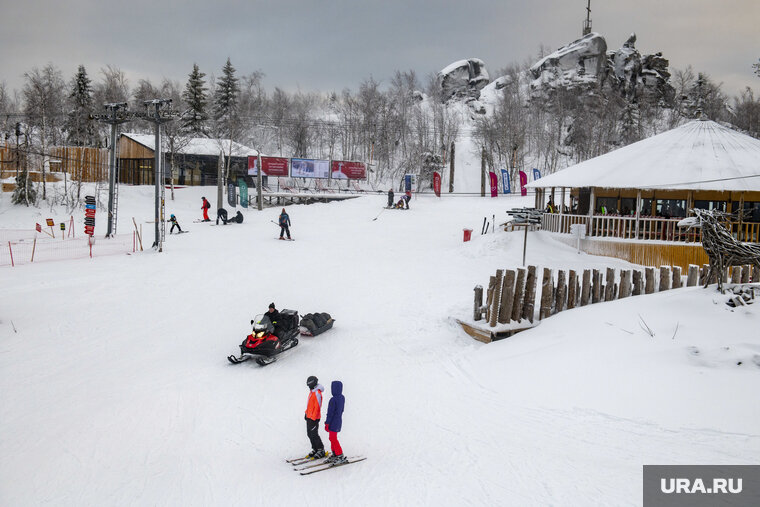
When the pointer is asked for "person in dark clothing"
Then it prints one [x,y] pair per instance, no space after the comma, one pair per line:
[284,224]
[238,218]
[312,417]
[390,198]
[407,198]
[205,205]
[174,222]
[334,421]
[221,214]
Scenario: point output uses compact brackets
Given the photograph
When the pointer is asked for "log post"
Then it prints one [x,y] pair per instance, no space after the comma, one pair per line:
[519,290]
[649,283]
[638,284]
[478,303]
[547,288]
[586,287]
[529,303]
[664,278]
[755,273]
[489,297]
[572,289]
[496,297]
[610,287]
[507,297]
[677,282]
[625,283]
[736,274]
[693,277]
[559,301]
[596,291]
[703,274]
[745,273]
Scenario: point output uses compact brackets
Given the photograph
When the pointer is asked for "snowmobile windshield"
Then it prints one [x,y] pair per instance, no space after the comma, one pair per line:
[262,324]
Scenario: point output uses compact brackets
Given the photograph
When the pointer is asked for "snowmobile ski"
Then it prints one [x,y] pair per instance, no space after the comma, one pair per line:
[237,360]
[328,466]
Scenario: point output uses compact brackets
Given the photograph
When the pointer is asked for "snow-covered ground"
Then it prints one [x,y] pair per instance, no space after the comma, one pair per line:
[115,390]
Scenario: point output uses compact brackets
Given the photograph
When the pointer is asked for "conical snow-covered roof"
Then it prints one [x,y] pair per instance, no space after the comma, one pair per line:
[700,155]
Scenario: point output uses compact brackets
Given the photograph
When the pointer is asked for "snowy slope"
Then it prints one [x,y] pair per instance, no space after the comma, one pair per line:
[115,389]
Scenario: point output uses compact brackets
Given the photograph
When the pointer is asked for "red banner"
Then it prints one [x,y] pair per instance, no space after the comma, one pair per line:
[272,166]
[437,184]
[342,169]
[523,182]
[494,183]
[38,227]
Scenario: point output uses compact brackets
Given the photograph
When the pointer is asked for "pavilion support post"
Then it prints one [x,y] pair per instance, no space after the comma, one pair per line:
[638,212]
[562,211]
[591,206]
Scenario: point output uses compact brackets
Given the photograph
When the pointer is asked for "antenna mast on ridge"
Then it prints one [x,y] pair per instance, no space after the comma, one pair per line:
[587,22]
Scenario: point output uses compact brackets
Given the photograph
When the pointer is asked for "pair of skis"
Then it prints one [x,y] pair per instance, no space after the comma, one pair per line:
[307,465]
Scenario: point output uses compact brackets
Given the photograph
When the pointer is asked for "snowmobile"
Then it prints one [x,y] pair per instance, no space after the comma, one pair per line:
[267,341]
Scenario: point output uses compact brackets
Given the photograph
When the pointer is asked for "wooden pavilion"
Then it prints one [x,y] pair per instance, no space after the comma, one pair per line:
[631,199]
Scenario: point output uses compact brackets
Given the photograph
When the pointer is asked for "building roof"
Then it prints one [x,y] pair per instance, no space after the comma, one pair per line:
[700,155]
[197,145]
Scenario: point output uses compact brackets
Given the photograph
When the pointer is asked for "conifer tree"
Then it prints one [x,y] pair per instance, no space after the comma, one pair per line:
[80,127]
[196,98]
[226,100]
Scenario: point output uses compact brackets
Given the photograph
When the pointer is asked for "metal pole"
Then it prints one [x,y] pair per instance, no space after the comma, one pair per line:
[157,170]
[259,196]
[525,242]
[111,173]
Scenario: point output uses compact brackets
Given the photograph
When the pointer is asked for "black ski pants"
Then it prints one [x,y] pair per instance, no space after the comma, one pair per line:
[312,431]
[284,229]
[175,224]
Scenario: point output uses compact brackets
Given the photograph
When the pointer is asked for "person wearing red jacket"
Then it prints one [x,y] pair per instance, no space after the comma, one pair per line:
[205,206]
[313,415]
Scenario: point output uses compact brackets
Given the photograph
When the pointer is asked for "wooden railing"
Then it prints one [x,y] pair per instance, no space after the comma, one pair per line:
[649,228]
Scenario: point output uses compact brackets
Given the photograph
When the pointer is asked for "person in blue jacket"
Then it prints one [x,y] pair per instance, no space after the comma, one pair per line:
[334,421]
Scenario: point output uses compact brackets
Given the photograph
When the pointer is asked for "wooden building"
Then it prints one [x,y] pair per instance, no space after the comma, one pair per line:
[640,192]
[195,161]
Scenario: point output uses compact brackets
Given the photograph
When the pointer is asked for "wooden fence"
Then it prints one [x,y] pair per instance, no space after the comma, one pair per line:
[511,294]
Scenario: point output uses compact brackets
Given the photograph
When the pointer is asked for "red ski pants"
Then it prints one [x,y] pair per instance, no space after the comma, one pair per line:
[334,444]
[205,214]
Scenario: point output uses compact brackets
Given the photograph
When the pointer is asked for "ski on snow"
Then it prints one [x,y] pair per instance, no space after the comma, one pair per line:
[328,466]
[305,459]
[322,462]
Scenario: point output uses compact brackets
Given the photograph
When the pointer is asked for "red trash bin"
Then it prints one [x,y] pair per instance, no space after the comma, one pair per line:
[467,234]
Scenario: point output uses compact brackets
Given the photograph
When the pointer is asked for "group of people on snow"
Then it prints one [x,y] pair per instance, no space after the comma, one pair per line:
[403,203]
[333,420]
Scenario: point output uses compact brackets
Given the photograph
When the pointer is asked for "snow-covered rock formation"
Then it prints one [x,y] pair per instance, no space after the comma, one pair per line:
[463,79]
[633,75]
[581,62]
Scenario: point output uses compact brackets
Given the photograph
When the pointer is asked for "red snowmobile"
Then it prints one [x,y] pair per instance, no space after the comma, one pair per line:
[267,341]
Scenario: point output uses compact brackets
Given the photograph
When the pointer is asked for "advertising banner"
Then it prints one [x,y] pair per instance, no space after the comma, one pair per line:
[536,174]
[243,186]
[523,182]
[494,183]
[309,168]
[437,184]
[342,169]
[231,193]
[272,166]
[505,182]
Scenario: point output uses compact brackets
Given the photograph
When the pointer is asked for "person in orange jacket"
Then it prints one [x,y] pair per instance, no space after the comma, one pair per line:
[313,415]
[205,206]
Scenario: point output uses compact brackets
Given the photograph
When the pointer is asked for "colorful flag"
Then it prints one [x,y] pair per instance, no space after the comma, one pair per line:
[505,182]
[243,186]
[494,184]
[523,182]
[231,193]
[437,184]
[536,174]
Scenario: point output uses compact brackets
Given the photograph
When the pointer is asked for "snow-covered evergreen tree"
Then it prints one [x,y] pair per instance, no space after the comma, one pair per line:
[196,98]
[226,101]
[24,193]
[80,128]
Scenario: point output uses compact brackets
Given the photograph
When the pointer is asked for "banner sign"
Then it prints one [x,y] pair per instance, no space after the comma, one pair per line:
[505,182]
[536,174]
[89,215]
[243,186]
[38,227]
[523,182]
[231,194]
[494,183]
[437,184]
[408,182]
[309,168]
[342,169]
[50,222]
[271,166]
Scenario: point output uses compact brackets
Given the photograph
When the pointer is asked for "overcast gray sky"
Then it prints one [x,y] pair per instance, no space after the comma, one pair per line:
[325,45]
